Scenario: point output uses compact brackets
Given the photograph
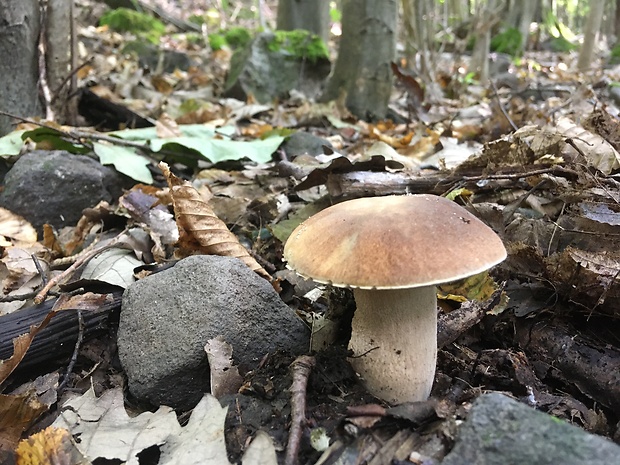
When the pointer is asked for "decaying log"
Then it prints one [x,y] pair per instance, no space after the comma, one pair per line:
[353,184]
[450,326]
[59,336]
[594,370]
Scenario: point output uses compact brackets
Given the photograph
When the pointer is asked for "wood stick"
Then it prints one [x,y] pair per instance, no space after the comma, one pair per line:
[58,338]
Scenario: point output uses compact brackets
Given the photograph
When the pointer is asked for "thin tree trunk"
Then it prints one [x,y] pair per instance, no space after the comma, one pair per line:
[528,9]
[58,58]
[592,28]
[617,20]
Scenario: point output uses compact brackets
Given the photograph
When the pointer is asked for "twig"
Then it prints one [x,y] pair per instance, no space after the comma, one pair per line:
[40,297]
[76,349]
[552,169]
[300,371]
[39,268]
[501,107]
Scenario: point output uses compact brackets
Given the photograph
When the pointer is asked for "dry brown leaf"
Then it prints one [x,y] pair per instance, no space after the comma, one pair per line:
[17,413]
[16,227]
[166,127]
[198,223]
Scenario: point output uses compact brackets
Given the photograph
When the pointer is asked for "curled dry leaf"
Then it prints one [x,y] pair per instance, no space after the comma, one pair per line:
[198,223]
[15,227]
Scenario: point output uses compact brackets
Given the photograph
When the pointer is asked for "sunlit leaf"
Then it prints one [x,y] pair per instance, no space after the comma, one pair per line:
[125,160]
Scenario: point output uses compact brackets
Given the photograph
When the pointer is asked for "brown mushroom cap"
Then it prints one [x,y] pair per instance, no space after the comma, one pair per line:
[392,242]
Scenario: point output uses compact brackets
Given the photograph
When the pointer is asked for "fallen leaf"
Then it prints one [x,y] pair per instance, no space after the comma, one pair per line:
[197,222]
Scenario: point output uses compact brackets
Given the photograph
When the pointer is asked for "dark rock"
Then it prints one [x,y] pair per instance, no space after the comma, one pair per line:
[167,318]
[499,63]
[502,431]
[269,74]
[55,186]
[152,57]
[300,143]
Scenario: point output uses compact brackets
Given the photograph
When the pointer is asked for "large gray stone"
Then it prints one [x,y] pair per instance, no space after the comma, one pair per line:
[267,73]
[55,186]
[167,318]
[502,431]
[301,143]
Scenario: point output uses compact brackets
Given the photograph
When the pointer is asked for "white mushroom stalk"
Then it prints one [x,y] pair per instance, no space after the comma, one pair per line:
[394,342]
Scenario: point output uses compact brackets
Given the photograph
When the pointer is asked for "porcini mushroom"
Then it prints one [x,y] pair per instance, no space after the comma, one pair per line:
[392,251]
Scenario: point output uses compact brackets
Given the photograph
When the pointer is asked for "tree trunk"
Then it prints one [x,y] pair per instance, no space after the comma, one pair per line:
[19,31]
[419,20]
[311,15]
[528,9]
[617,20]
[589,36]
[367,48]
[485,21]
[58,59]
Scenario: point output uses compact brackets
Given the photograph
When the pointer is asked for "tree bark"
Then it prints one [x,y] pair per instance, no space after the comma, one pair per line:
[617,19]
[367,48]
[311,15]
[58,58]
[19,32]
[528,9]
[593,25]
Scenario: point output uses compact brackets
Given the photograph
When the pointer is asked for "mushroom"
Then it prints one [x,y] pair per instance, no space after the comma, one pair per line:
[392,251]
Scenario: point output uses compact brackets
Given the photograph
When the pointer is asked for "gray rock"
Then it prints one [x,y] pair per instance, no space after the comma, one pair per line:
[167,318]
[270,74]
[300,143]
[55,186]
[502,431]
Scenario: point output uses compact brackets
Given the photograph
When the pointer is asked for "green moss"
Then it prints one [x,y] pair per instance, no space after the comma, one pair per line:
[237,37]
[301,44]
[216,41]
[140,24]
[508,42]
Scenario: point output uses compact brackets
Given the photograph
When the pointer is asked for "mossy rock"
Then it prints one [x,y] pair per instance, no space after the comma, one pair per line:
[300,44]
[508,42]
[149,56]
[237,37]
[271,65]
[140,24]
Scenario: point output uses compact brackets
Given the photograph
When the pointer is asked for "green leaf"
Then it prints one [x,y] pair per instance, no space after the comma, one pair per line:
[259,151]
[54,140]
[11,144]
[199,139]
[125,160]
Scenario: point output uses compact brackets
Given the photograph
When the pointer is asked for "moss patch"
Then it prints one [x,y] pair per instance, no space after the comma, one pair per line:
[140,24]
[300,44]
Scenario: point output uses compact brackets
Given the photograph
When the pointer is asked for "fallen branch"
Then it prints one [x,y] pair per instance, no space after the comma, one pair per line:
[300,371]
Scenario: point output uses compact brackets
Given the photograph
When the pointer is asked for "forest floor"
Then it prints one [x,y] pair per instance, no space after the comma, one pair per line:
[534,154]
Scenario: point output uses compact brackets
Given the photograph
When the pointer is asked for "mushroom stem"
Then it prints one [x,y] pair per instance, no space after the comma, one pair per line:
[394,342]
